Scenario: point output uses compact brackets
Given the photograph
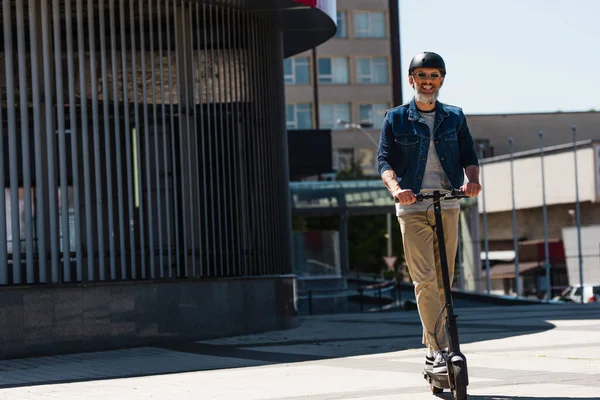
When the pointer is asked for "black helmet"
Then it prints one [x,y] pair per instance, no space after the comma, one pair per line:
[427,59]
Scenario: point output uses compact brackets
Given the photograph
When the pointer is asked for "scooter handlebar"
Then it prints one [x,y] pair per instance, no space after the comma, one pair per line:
[453,194]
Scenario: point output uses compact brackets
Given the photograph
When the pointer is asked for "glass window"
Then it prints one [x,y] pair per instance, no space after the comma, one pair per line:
[304,115]
[372,70]
[330,113]
[341,25]
[298,116]
[369,24]
[372,113]
[333,70]
[296,71]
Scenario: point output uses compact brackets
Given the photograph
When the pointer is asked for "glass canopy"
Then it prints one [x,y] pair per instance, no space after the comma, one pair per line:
[335,197]
[339,197]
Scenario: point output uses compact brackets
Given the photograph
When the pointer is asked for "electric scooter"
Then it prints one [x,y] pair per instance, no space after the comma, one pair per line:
[456,379]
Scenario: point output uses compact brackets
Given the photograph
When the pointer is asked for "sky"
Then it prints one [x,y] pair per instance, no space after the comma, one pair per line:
[508,56]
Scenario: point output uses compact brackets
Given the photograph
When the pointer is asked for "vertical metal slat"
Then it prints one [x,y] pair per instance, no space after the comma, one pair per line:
[96,139]
[175,185]
[223,224]
[86,145]
[24,128]
[156,154]
[201,97]
[193,144]
[214,99]
[135,133]
[188,138]
[12,142]
[107,145]
[178,63]
[208,42]
[62,143]
[74,140]
[3,227]
[145,134]
[128,155]
[118,141]
[50,139]
[40,194]
[164,142]
[229,195]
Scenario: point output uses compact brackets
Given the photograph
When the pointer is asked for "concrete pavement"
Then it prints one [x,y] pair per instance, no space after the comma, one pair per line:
[521,353]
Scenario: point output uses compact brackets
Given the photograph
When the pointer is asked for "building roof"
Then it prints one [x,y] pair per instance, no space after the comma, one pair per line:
[525,128]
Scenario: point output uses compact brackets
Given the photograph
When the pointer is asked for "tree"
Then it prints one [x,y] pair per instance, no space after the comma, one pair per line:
[367,233]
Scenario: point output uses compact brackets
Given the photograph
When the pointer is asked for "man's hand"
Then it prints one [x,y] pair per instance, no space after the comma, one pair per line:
[405,197]
[471,189]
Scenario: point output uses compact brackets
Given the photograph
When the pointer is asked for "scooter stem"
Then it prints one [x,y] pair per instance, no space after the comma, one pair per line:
[452,331]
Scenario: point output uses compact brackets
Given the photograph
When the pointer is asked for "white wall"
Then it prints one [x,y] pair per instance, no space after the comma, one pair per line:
[559,171]
[590,250]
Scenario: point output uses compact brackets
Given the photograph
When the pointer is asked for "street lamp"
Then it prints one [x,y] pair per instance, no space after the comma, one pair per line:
[361,127]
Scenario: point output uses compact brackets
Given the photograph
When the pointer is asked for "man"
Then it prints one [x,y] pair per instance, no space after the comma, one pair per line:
[425,146]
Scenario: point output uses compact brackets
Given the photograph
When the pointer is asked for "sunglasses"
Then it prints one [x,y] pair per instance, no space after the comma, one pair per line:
[424,75]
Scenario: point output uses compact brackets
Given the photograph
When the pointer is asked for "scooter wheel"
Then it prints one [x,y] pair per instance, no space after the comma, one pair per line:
[436,390]
[460,387]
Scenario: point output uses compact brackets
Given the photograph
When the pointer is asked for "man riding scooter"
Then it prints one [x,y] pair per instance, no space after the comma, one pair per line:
[426,146]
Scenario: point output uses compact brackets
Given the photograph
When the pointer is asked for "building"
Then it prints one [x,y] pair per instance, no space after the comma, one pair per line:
[145,164]
[521,177]
[353,78]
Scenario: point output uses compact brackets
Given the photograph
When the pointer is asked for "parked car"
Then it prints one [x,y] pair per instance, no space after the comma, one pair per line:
[591,293]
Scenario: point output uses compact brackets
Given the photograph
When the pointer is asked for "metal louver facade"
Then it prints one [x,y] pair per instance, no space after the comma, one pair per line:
[141,140]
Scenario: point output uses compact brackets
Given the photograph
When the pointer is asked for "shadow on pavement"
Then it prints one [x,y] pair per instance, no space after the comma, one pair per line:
[315,338]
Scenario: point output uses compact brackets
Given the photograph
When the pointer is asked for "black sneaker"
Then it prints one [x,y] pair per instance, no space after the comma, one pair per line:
[429,362]
[439,363]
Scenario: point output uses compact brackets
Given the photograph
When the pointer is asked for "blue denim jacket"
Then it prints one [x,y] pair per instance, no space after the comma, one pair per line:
[405,138]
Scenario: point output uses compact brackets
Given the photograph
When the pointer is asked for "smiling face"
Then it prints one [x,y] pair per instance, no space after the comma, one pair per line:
[426,83]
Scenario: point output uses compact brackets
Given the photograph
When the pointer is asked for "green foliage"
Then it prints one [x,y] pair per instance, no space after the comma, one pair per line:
[367,234]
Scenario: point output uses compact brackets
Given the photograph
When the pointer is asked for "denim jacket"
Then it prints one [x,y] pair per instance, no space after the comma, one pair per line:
[404,144]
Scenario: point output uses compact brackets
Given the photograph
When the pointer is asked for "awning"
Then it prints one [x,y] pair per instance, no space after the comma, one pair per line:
[501,271]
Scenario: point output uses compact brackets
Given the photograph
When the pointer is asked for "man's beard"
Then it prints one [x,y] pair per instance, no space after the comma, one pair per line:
[426,98]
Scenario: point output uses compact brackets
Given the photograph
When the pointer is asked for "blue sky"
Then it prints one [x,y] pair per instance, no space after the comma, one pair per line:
[508,56]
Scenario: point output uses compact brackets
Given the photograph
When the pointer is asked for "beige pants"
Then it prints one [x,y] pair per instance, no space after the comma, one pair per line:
[421,252]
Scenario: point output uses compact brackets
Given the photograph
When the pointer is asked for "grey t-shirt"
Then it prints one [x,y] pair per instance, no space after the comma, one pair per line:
[434,177]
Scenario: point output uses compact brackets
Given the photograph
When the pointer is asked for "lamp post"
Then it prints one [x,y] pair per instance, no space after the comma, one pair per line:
[514,219]
[545,216]
[485,229]
[577,211]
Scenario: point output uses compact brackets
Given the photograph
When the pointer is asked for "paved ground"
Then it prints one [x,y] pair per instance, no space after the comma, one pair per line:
[522,353]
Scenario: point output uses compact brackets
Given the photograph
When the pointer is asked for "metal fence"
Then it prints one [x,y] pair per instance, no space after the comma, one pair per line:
[141,139]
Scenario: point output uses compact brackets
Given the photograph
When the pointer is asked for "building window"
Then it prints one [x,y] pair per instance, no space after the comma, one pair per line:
[298,116]
[341,25]
[343,159]
[372,70]
[372,113]
[330,113]
[333,70]
[369,25]
[296,71]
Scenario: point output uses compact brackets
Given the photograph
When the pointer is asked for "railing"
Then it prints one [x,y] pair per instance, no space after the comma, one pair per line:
[384,294]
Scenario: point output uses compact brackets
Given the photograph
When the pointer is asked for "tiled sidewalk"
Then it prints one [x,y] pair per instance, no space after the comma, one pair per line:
[522,353]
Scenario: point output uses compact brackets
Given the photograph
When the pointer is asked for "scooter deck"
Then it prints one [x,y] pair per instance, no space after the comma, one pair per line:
[437,380]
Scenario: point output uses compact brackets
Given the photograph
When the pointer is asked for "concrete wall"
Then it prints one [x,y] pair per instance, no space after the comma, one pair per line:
[559,173]
[530,221]
[590,251]
[52,320]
